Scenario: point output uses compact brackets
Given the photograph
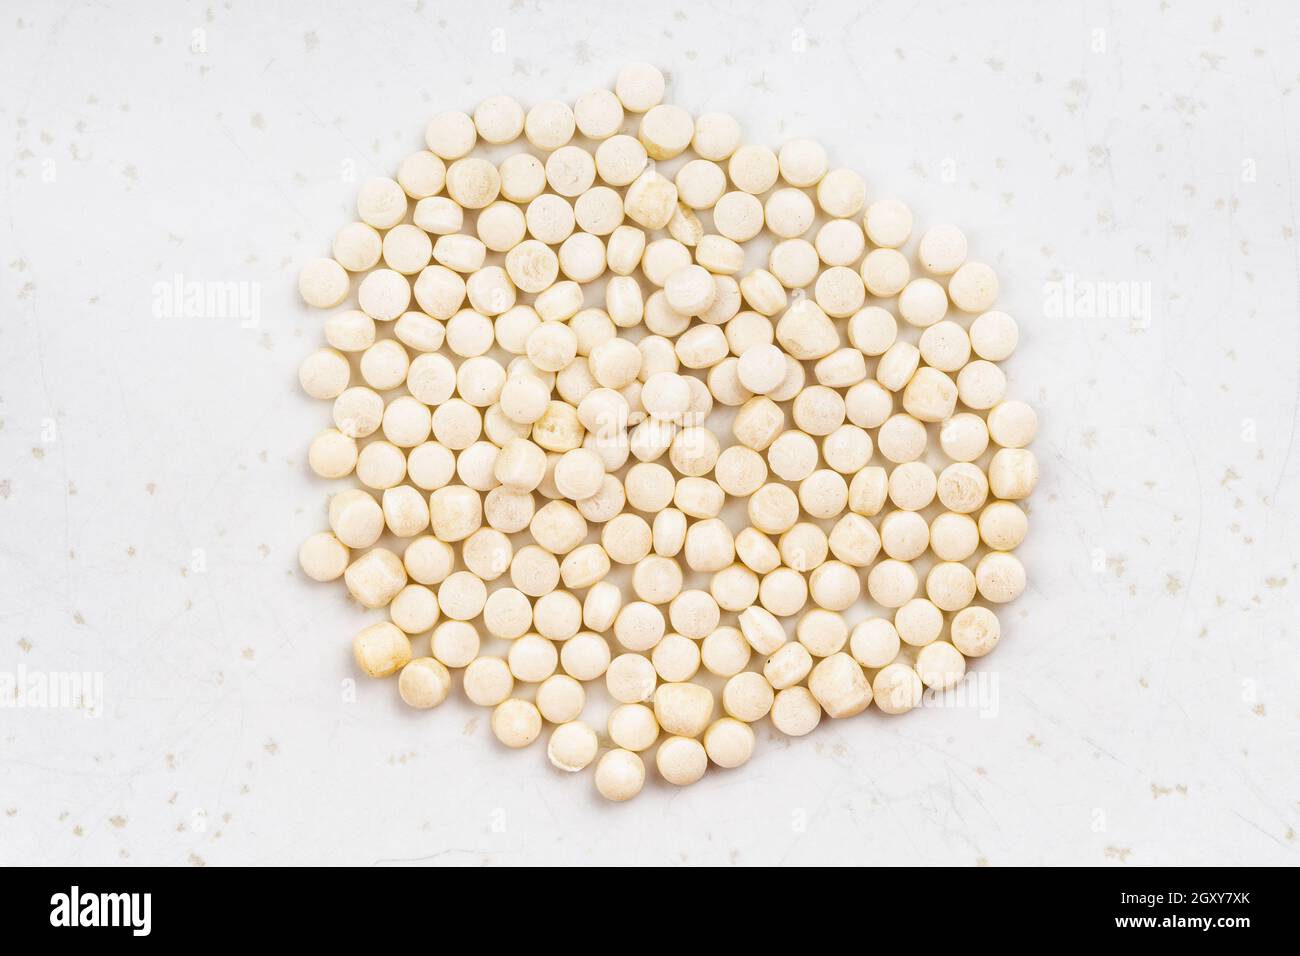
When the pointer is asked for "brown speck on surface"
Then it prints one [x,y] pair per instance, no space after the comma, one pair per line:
[471,726]
[6,489]
[257,121]
[1118,853]
[271,747]
[1275,582]
[77,618]
[78,831]
[170,762]
[248,654]
[38,453]
[130,551]
[151,487]
[1033,741]
[982,861]
[310,41]
[1173,583]
[119,822]
[24,645]
[196,860]
[1158,791]
[1258,710]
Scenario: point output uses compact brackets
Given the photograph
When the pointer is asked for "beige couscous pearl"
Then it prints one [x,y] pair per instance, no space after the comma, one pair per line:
[923,302]
[942,249]
[964,437]
[1000,577]
[638,626]
[940,665]
[414,609]
[842,193]
[676,658]
[633,727]
[375,578]
[975,631]
[854,540]
[572,746]
[532,658]
[455,643]
[1012,424]
[918,622]
[428,560]
[834,586]
[585,656]
[381,650]
[620,775]
[350,331]
[598,114]
[885,272]
[874,643]
[981,385]
[840,686]
[867,491]
[788,666]
[682,708]
[904,535]
[901,439]
[783,592]
[747,696]
[631,678]
[1013,473]
[488,681]
[1002,525]
[762,630]
[323,557]
[896,689]
[729,742]
[356,518]
[950,585]
[358,245]
[424,683]
[868,404]
[994,335]
[734,588]
[681,761]
[973,287]
[560,699]
[324,374]
[954,537]
[795,712]
[516,723]
[888,223]
[892,583]
[333,454]
[912,485]
[753,169]
[962,488]
[725,652]
[822,632]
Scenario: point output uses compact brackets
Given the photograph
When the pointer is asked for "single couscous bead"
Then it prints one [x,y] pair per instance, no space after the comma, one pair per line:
[324,374]
[888,223]
[358,246]
[375,578]
[954,537]
[1013,473]
[682,708]
[560,699]
[333,454]
[788,666]
[725,652]
[323,283]
[633,727]
[841,193]
[507,613]
[874,643]
[918,622]
[834,586]
[532,658]
[676,658]
[994,335]
[892,583]
[424,683]
[350,331]
[854,540]
[950,586]
[631,678]
[975,631]
[1012,424]
[516,723]
[923,302]
[783,592]
[747,696]
[795,712]
[356,518]
[940,666]
[681,761]
[381,650]
[734,588]
[840,686]
[942,249]
[585,656]
[572,746]
[729,742]
[904,535]
[323,557]
[981,385]
[620,775]
[428,560]
[896,689]
[762,630]
[414,609]
[488,681]
[462,596]
[912,485]
[1000,577]
[598,114]
[962,488]
[455,643]
[1002,525]
[885,272]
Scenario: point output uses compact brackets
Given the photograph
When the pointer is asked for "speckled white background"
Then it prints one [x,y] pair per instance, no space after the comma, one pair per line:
[1147,708]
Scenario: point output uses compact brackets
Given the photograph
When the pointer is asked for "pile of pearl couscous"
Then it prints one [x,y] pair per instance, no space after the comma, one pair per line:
[641,405]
